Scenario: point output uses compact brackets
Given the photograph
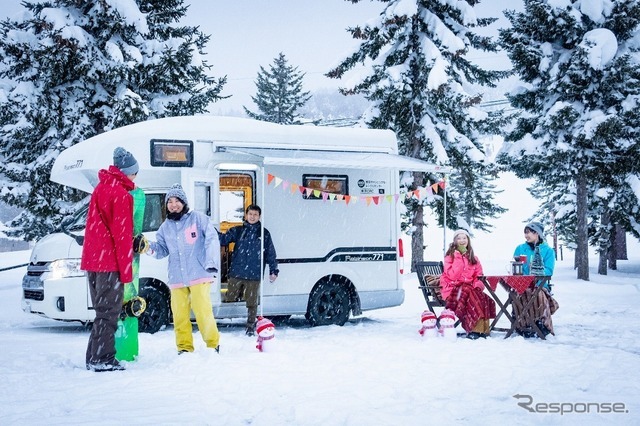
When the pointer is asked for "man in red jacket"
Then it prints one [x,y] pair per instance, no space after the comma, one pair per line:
[107,255]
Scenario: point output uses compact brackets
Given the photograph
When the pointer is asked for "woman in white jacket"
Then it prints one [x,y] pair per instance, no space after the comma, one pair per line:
[191,242]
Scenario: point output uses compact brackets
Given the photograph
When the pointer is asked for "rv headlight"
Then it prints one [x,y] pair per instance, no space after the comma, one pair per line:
[64,268]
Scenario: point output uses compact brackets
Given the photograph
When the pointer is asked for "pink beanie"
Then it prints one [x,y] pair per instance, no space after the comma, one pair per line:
[262,324]
[427,315]
[448,313]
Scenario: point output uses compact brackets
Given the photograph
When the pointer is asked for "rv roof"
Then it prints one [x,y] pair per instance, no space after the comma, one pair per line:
[233,131]
[78,165]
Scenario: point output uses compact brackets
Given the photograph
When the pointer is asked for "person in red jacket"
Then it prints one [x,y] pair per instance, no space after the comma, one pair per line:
[107,255]
[462,289]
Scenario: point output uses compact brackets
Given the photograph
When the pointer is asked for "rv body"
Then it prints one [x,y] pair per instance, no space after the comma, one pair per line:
[337,254]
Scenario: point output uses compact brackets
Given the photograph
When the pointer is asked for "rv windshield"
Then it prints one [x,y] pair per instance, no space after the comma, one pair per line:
[154,215]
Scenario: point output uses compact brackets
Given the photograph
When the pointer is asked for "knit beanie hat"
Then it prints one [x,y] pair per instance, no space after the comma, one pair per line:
[460,231]
[536,227]
[428,315]
[125,161]
[177,192]
[262,324]
[448,314]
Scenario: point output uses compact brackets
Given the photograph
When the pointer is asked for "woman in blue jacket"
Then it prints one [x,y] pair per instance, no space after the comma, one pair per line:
[191,242]
[541,260]
[245,271]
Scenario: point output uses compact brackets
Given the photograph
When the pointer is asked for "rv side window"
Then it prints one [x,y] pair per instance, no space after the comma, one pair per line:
[332,184]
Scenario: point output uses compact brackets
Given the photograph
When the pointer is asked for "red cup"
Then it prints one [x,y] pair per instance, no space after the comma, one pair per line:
[523,258]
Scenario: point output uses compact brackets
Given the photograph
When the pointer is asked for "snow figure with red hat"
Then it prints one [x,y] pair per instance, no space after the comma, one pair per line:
[447,325]
[428,324]
[266,332]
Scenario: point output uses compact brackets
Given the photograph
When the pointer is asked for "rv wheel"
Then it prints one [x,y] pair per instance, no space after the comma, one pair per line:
[328,304]
[157,312]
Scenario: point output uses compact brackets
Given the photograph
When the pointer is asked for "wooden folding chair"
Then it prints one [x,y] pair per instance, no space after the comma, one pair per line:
[429,278]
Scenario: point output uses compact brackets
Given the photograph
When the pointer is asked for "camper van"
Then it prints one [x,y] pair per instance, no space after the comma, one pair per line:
[329,197]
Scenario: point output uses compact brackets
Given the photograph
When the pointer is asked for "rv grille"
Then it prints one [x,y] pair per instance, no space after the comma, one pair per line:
[36,269]
[34,294]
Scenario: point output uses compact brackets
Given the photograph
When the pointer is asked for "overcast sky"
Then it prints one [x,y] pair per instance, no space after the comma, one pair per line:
[247,34]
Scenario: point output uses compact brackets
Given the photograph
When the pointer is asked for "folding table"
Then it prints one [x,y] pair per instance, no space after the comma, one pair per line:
[515,285]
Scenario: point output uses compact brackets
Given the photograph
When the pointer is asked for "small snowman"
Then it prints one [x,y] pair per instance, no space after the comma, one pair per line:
[266,332]
[447,325]
[428,324]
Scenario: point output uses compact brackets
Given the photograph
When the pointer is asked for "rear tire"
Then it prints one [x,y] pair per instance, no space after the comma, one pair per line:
[156,315]
[328,304]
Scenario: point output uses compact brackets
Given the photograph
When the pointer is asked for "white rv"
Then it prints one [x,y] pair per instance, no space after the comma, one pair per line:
[329,197]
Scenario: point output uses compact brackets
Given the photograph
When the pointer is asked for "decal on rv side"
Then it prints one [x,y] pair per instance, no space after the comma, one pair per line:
[371,187]
[76,165]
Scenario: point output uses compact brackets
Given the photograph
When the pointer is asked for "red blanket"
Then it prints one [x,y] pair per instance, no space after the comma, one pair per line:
[470,305]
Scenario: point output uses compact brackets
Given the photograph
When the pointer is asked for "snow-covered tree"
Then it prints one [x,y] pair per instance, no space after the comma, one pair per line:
[71,69]
[579,133]
[279,93]
[421,85]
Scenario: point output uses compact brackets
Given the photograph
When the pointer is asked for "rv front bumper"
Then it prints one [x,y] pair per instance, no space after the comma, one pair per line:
[57,298]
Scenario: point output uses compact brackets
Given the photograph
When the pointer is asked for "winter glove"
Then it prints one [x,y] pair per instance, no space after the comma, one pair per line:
[211,270]
[462,249]
[140,244]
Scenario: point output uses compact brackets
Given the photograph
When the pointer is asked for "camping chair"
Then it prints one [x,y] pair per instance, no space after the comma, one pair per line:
[429,278]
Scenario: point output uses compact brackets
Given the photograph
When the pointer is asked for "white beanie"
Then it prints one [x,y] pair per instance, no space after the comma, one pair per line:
[460,231]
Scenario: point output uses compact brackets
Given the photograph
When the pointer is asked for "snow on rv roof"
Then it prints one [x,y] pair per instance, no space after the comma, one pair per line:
[78,165]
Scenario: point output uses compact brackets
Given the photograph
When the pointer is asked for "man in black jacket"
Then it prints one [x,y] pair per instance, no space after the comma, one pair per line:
[245,270]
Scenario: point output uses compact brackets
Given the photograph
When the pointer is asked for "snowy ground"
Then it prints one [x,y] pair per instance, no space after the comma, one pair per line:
[376,370]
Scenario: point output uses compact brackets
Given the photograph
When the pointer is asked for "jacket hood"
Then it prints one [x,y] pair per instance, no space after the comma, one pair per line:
[113,176]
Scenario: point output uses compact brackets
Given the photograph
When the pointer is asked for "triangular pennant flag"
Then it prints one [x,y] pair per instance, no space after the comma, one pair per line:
[441,184]
[303,189]
[316,193]
[435,188]
[285,185]
[388,198]
[308,191]
[332,197]
[347,198]
[429,192]
[396,196]
[269,178]
[278,181]
[324,196]
[339,197]
[416,193]
[294,188]
[368,200]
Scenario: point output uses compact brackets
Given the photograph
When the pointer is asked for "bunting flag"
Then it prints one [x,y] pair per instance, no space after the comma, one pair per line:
[427,192]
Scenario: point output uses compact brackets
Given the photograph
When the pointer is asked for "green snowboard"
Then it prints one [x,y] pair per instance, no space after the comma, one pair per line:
[127,332]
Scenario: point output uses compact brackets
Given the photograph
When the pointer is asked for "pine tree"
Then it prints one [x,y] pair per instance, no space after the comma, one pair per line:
[418,85]
[579,132]
[72,69]
[279,93]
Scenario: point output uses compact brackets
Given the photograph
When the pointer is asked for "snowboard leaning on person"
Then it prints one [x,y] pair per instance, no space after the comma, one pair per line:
[245,270]
[191,242]
[107,255]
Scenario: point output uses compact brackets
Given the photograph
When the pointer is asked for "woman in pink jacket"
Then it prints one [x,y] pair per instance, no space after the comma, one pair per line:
[462,289]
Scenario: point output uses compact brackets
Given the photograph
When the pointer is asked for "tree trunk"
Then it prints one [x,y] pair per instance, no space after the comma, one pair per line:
[417,238]
[621,244]
[613,242]
[582,235]
[603,242]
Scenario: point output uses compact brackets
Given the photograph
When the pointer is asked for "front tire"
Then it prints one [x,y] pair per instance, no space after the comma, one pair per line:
[156,315]
[328,304]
